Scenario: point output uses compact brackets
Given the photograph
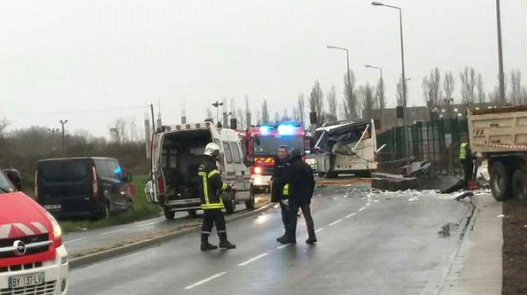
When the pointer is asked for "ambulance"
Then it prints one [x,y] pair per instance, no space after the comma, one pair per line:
[177,153]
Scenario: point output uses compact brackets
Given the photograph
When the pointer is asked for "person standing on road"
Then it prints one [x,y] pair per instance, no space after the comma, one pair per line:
[211,201]
[279,188]
[301,186]
[465,158]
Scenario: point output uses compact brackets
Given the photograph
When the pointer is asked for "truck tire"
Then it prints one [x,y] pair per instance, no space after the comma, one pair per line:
[169,215]
[519,185]
[500,182]
[249,204]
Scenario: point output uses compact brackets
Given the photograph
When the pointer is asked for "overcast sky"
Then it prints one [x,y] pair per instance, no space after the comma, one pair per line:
[91,62]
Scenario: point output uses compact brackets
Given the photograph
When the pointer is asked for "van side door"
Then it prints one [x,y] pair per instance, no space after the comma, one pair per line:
[230,172]
[239,167]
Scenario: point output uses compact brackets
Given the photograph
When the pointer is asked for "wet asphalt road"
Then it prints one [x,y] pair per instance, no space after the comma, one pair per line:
[368,244]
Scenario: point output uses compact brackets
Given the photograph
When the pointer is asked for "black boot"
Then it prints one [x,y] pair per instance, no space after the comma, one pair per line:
[281,238]
[224,243]
[311,240]
[205,245]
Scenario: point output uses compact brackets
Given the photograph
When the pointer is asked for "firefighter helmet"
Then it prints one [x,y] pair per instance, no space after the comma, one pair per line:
[212,150]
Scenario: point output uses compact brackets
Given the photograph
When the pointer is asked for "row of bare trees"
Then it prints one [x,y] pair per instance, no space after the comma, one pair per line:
[438,91]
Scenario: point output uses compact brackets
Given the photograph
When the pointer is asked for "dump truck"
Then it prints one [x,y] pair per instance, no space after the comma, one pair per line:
[499,134]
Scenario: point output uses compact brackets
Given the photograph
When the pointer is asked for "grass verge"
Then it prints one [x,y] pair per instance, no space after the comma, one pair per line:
[142,209]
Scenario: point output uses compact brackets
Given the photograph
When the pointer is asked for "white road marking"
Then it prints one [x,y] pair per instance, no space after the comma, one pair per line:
[349,215]
[205,280]
[362,209]
[147,224]
[74,240]
[252,259]
[283,246]
[111,232]
[320,229]
[335,222]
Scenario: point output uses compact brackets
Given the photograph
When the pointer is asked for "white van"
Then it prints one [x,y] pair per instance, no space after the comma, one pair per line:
[177,153]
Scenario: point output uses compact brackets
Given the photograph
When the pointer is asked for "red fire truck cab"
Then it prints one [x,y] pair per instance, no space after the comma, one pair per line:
[261,145]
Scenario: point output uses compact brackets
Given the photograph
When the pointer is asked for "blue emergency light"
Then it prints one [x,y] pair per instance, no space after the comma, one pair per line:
[265,129]
[286,129]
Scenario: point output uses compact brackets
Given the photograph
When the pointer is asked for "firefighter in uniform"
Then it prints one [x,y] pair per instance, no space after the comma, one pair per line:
[465,158]
[211,202]
[280,189]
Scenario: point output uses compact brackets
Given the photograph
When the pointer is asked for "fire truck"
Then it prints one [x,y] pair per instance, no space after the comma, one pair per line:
[261,144]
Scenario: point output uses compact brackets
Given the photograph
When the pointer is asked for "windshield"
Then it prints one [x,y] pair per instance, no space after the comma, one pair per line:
[268,145]
[5,184]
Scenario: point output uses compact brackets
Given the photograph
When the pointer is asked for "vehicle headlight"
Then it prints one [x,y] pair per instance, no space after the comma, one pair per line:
[57,231]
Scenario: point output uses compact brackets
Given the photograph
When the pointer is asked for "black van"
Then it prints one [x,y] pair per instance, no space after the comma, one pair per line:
[82,187]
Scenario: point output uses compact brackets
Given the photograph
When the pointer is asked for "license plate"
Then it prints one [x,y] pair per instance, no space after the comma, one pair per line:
[26,280]
[52,207]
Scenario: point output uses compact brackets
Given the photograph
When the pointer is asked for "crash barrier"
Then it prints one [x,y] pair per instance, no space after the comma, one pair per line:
[436,141]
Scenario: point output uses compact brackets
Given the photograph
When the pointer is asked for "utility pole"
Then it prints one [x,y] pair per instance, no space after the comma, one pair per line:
[500,56]
[63,122]
[217,105]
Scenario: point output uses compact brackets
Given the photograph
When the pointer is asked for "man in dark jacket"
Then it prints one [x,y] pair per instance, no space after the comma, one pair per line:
[301,187]
[211,202]
[278,193]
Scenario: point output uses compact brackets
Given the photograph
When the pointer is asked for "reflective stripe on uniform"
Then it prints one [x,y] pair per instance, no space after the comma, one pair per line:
[212,173]
[205,186]
[463,151]
[212,206]
[285,191]
[224,186]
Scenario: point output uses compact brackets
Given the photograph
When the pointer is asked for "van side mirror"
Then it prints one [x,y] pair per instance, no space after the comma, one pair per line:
[14,177]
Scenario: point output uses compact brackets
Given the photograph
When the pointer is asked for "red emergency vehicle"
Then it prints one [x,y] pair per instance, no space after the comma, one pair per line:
[33,259]
[261,145]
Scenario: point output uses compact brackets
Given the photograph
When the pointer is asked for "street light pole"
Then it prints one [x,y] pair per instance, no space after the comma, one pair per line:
[63,122]
[500,55]
[405,115]
[381,84]
[348,89]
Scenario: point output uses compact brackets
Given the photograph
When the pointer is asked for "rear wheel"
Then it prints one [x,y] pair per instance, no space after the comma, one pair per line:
[519,185]
[169,215]
[249,204]
[500,182]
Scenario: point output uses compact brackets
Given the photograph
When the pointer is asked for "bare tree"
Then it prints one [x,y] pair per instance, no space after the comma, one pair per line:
[468,83]
[448,85]
[524,95]
[494,96]
[247,119]
[332,101]
[516,77]
[241,119]
[350,97]
[432,89]
[276,118]
[301,109]
[381,101]
[285,116]
[316,102]
[368,101]
[118,130]
[265,113]
[481,91]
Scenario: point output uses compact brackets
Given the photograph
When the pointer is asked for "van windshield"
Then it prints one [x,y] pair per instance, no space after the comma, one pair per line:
[64,170]
[268,145]
[5,185]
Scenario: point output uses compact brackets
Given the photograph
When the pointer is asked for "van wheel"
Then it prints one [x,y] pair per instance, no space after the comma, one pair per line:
[249,204]
[169,215]
[192,213]
[500,182]
[519,187]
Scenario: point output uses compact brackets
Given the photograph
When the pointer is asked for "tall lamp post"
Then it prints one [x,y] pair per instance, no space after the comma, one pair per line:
[500,56]
[375,3]
[348,63]
[63,122]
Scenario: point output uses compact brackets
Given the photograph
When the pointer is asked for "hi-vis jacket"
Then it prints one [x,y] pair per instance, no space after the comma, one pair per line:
[211,185]
[463,151]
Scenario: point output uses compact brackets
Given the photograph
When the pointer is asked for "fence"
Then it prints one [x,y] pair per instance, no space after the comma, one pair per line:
[436,141]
